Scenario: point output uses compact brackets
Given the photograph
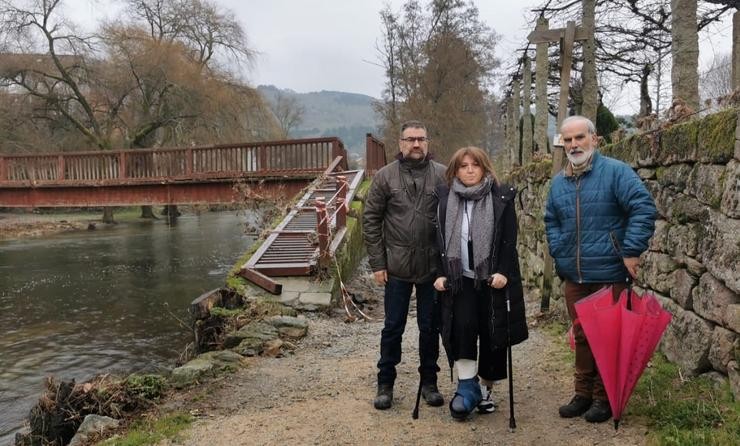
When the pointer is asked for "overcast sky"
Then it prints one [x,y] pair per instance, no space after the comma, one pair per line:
[312,45]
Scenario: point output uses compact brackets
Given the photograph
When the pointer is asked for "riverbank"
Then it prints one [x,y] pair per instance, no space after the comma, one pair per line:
[322,394]
[20,225]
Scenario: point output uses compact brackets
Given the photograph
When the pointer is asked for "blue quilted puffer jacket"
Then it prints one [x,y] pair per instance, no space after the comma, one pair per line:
[596,219]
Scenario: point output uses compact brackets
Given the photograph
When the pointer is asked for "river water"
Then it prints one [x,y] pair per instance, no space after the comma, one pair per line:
[78,304]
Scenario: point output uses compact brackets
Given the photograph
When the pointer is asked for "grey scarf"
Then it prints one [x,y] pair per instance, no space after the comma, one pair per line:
[480,228]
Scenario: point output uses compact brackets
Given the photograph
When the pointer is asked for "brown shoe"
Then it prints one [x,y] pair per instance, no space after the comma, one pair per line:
[576,407]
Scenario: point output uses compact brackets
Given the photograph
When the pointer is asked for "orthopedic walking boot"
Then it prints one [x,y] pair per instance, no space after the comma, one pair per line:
[599,412]
[486,405]
[467,397]
[577,406]
[384,398]
[431,395]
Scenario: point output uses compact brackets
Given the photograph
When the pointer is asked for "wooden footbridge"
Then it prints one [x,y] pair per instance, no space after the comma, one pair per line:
[193,175]
[300,245]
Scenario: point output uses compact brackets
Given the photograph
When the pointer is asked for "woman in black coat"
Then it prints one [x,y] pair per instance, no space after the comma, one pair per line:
[477,231]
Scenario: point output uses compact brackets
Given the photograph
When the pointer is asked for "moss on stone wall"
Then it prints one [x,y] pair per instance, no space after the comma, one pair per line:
[716,136]
[679,143]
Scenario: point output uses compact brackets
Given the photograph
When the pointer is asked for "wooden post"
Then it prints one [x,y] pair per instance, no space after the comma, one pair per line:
[3,169]
[526,111]
[263,158]
[542,69]
[341,201]
[122,165]
[736,50]
[516,140]
[188,161]
[60,167]
[567,36]
[322,227]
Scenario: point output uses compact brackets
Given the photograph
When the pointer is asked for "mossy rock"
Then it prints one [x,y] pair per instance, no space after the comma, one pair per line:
[717,137]
[679,143]
[625,150]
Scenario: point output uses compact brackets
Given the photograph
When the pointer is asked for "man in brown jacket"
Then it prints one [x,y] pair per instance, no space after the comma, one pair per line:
[399,231]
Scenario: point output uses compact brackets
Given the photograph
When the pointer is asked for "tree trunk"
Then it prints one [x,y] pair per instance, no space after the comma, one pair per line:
[542,69]
[516,142]
[526,111]
[736,50]
[589,87]
[685,51]
[108,215]
[646,105]
[146,212]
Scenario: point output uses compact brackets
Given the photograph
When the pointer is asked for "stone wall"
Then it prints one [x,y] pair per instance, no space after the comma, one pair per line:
[693,172]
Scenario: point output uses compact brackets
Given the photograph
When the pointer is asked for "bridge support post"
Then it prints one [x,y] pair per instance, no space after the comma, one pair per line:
[322,227]
[341,204]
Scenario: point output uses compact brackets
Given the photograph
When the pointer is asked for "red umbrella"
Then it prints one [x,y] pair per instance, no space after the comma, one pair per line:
[622,337]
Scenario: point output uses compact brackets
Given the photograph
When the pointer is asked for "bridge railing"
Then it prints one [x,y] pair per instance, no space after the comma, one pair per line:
[262,158]
[374,154]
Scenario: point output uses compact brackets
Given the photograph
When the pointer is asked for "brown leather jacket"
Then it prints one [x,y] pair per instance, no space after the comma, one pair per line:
[399,220]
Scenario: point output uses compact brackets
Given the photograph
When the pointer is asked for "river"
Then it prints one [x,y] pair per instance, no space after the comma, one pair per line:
[78,304]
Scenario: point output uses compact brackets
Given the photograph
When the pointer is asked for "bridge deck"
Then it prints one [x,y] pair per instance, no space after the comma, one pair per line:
[292,248]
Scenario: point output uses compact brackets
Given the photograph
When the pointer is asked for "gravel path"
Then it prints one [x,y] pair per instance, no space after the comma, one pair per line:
[322,394]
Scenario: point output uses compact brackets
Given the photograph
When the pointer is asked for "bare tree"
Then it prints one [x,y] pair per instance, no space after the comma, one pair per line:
[288,113]
[438,61]
[716,81]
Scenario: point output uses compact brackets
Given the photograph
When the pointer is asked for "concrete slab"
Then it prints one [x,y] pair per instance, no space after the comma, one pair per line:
[322,299]
[298,284]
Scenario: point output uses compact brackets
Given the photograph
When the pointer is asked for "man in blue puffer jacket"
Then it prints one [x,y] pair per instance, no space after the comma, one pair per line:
[599,219]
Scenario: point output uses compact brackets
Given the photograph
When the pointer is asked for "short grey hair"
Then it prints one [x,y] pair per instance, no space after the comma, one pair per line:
[578,118]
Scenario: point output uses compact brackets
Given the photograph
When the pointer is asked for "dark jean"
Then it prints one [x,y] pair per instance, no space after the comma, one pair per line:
[396,301]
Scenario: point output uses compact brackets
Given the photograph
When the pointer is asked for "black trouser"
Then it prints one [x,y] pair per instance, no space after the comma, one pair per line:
[472,318]
[396,301]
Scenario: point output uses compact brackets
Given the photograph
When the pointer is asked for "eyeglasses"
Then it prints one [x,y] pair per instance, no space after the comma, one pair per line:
[412,139]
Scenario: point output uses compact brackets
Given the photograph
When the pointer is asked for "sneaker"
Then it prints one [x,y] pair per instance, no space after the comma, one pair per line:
[599,412]
[467,397]
[577,407]
[431,395]
[384,398]
[486,405]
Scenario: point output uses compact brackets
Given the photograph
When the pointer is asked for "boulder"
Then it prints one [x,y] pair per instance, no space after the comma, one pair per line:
[93,425]
[711,299]
[292,327]
[191,372]
[722,350]
[255,333]
[657,273]
[683,240]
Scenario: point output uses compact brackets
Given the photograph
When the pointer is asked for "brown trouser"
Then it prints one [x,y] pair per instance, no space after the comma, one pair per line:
[587,380]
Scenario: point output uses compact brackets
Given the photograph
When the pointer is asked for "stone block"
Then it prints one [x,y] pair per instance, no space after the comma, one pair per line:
[722,350]
[720,249]
[732,317]
[683,240]
[679,143]
[682,208]
[674,177]
[297,284]
[730,205]
[657,272]
[711,299]
[706,183]
[254,333]
[714,136]
[660,241]
[190,372]
[685,340]
[733,373]
[681,291]
[695,267]
[646,174]
[318,299]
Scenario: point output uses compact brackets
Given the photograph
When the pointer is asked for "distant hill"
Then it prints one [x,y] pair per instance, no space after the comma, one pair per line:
[348,116]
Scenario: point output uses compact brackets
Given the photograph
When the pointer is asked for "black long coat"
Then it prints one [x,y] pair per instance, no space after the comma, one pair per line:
[504,260]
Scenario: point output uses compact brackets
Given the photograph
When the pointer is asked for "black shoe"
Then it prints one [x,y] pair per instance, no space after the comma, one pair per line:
[431,395]
[577,407]
[384,398]
[599,412]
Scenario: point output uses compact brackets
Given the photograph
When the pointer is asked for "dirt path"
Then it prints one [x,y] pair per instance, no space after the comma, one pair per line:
[322,394]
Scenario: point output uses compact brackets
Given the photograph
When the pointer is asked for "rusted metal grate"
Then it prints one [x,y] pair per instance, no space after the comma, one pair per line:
[292,247]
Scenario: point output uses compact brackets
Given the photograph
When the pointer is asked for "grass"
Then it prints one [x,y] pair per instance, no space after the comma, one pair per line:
[147,432]
[684,411]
